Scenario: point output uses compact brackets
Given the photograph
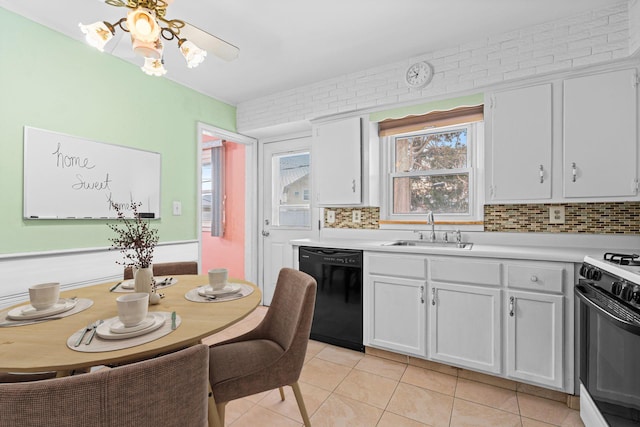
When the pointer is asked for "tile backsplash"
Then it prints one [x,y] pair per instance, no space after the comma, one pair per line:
[595,218]
[369,218]
[592,218]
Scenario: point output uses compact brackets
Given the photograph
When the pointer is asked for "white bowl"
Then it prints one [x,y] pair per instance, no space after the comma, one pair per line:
[132,308]
[44,295]
[218,278]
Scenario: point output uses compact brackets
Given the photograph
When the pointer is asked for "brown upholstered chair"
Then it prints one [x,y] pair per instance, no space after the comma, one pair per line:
[168,269]
[271,355]
[9,377]
[170,390]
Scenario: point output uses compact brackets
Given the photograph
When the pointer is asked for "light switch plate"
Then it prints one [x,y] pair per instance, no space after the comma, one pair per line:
[177,208]
[556,215]
[356,216]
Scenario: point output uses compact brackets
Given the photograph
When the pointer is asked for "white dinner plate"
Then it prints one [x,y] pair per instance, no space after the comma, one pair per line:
[27,312]
[229,289]
[104,330]
[118,327]
[160,281]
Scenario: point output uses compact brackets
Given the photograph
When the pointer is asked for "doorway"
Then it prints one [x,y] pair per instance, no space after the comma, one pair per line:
[226,208]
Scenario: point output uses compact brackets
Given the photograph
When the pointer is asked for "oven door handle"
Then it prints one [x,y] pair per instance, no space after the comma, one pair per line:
[630,327]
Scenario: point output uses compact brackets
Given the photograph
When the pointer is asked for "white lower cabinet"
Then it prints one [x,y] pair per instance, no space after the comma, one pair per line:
[535,338]
[509,318]
[464,326]
[397,318]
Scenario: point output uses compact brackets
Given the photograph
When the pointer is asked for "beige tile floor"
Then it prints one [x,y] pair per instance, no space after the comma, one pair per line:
[347,388]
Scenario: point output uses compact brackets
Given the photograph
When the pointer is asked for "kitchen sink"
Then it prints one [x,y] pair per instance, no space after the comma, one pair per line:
[428,244]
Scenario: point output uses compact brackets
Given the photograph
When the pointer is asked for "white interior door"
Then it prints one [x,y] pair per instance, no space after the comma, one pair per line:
[286,206]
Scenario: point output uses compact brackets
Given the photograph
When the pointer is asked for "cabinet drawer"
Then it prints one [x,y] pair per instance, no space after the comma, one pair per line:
[465,271]
[397,266]
[539,277]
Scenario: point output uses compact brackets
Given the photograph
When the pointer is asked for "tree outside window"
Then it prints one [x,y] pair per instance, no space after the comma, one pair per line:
[431,172]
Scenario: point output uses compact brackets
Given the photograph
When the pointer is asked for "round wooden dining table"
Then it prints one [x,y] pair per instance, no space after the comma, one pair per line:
[43,346]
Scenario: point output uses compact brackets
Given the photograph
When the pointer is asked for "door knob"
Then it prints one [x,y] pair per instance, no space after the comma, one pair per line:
[265,233]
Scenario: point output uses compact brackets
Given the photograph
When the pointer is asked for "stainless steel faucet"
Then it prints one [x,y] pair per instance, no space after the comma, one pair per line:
[430,220]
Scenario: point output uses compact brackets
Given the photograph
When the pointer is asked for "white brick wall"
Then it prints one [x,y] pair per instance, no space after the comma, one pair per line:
[589,38]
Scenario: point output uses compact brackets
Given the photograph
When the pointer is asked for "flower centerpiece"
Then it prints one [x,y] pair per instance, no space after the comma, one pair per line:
[136,240]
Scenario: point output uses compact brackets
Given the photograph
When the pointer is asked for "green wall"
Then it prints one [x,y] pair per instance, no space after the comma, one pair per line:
[52,82]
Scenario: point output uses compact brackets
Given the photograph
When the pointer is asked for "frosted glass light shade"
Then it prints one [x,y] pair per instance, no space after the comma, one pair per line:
[192,53]
[97,34]
[147,49]
[142,25]
[153,67]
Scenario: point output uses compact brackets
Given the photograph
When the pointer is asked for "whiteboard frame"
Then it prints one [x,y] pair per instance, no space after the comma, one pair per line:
[157,214]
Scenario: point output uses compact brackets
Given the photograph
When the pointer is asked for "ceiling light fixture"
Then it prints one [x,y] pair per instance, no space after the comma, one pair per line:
[147,25]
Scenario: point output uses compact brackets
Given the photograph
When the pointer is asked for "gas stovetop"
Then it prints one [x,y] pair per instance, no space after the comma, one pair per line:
[626,267]
[617,274]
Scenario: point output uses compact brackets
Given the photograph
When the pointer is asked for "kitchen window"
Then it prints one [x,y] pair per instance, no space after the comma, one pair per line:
[433,170]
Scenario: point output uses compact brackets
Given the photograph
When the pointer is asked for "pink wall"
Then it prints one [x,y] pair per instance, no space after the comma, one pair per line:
[228,251]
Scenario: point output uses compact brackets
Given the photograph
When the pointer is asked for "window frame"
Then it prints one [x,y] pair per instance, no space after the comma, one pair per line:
[475,146]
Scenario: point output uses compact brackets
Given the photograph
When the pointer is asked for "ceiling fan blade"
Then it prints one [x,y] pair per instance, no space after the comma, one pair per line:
[209,42]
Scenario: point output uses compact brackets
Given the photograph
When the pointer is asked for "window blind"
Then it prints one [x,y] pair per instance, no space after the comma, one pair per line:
[431,120]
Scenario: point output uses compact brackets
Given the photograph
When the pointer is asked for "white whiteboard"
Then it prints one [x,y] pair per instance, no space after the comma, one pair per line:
[67,177]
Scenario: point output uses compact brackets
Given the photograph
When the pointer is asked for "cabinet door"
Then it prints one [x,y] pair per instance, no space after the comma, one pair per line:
[464,326]
[336,161]
[600,140]
[521,144]
[396,314]
[535,338]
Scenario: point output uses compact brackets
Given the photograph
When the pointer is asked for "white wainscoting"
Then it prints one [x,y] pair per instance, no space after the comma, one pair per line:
[74,268]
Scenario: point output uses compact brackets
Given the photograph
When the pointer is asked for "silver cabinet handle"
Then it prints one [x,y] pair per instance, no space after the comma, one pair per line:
[511,306]
[353,185]
[574,172]
[422,294]
[541,174]
[433,296]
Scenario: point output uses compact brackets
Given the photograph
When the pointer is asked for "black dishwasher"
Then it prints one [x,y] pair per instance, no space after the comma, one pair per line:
[337,318]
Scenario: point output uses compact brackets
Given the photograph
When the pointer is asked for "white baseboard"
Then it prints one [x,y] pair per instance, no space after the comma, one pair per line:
[74,268]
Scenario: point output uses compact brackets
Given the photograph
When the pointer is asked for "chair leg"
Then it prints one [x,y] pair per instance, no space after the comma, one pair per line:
[221,407]
[281,393]
[303,409]
[213,416]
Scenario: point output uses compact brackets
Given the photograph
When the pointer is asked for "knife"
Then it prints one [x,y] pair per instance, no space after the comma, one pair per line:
[173,320]
[8,323]
[93,333]
[113,288]
[87,329]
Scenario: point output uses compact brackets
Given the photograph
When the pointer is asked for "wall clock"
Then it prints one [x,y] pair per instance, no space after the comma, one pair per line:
[418,75]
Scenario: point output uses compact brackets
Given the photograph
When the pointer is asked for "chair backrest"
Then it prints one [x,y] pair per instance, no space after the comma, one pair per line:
[9,377]
[170,390]
[288,319]
[168,268]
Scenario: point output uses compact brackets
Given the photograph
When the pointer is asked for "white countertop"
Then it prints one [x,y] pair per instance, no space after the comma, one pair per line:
[539,253]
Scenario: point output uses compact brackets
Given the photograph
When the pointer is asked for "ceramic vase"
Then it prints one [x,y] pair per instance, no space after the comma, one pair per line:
[143,279]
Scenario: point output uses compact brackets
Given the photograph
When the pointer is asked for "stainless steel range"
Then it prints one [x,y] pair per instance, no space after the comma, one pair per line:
[609,336]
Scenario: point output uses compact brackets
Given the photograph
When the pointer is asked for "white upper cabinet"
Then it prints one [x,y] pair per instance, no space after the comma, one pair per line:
[600,135]
[519,156]
[337,162]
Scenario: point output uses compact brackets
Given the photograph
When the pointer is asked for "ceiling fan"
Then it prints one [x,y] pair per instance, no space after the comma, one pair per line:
[148,25]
